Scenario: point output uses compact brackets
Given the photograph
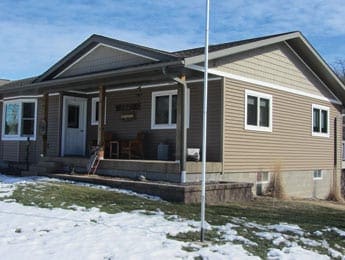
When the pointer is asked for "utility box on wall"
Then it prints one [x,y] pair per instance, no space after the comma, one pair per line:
[163,152]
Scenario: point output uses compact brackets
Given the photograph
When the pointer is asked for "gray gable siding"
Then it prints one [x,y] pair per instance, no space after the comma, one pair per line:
[104,58]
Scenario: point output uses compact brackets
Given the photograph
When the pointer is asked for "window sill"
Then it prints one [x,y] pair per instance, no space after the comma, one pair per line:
[96,123]
[258,128]
[320,135]
[162,127]
[17,138]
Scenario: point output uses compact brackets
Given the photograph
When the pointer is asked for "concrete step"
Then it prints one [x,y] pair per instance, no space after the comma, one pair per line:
[28,173]
[42,167]
[39,169]
[49,164]
[47,159]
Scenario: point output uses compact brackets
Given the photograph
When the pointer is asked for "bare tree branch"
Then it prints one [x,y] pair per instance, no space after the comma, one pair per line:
[339,68]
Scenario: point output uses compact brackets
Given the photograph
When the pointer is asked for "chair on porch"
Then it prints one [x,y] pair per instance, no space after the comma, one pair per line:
[133,149]
[110,148]
[111,140]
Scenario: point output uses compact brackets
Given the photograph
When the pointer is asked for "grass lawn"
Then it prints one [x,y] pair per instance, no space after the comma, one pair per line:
[249,219]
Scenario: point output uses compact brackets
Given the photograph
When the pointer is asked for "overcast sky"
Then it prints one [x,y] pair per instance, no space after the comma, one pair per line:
[34,34]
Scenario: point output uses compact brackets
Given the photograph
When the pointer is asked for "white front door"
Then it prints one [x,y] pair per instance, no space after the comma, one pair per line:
[74,126]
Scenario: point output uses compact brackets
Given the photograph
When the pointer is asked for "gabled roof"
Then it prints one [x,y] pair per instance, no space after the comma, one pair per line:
[153,55]
[298,43]
[158,58]
[20,82]
[212,48]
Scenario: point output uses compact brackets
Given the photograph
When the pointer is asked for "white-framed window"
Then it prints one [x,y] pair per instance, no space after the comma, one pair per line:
[164,109]
[320,120]
[95,109]
[258,111]
[19,119]
[262,177]
[317,175]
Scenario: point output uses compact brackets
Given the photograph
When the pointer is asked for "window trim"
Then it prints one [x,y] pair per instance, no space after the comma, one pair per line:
[318,178]
[257,127]
[19,136]
[94,101]
[263,181]
[320,107]
[169,93]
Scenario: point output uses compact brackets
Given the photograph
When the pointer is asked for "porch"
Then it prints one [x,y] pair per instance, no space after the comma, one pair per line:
[143,130]
[154,170]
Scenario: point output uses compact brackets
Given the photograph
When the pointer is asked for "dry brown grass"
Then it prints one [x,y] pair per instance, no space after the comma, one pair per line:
[334,195]
[275,187]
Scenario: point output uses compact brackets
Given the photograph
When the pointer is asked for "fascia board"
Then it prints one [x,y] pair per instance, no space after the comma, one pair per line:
[241,48]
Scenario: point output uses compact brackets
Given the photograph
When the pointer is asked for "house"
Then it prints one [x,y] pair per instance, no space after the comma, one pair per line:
[3,81]
[274,107]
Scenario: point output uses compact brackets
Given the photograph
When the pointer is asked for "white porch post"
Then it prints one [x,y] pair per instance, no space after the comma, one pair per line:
[181,126]
[183,146]
[100,132]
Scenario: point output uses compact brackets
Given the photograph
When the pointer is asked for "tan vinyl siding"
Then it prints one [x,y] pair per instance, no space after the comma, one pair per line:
[275,64]
[290,144]
[10,150]
[54,125]
[214,126]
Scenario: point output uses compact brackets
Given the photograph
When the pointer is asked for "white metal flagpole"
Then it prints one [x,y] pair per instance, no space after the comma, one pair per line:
[204,126]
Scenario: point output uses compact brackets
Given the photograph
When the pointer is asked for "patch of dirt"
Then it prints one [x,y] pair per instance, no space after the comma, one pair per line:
[324,203]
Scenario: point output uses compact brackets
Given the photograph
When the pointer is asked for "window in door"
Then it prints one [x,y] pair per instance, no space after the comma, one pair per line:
[73,116]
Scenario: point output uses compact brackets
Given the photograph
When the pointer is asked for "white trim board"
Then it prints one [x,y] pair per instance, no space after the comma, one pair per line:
[94,48]
[28,96]
[145,86]
[263,84]
[94,101]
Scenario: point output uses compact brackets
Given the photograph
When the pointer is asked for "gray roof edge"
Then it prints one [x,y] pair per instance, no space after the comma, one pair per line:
[86,77]
[64,59]
[112,41]
[241,48]
[322,62]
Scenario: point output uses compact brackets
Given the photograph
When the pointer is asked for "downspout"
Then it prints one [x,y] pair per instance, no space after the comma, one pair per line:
[183,146]
[336,186]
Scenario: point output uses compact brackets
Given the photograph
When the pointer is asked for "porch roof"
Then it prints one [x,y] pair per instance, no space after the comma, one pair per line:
[135,75]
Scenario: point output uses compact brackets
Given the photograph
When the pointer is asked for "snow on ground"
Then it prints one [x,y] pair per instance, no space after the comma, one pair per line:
[284,227]
[38,233]
[295,252]
[28,232]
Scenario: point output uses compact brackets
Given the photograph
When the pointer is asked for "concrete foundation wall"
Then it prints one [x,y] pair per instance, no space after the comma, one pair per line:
[342,186]
[303,185]
[299,184]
